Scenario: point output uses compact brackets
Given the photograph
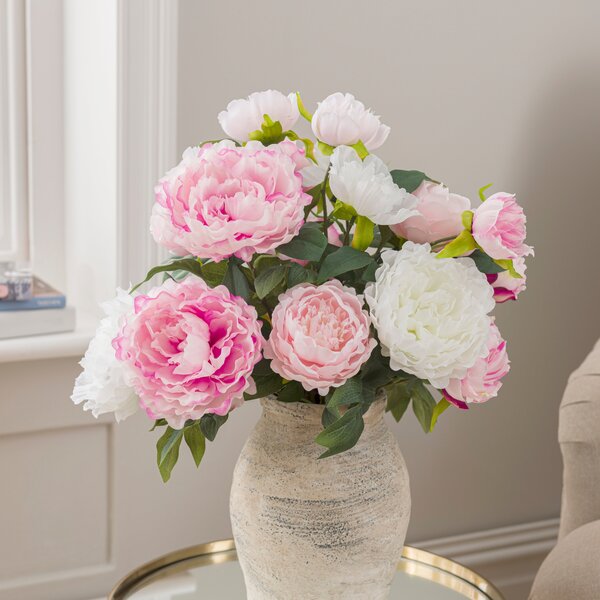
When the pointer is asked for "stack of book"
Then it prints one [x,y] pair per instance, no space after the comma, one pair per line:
[42,310]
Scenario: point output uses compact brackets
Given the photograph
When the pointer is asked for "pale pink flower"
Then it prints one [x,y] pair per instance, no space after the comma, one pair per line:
[499,227]
[440,214]
[244,116]
[507,287]
[320,335]
[342,120]
[190,350]
[223,200]
[484,379]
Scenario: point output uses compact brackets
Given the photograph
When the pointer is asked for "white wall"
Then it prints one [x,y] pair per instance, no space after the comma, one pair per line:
[475,92]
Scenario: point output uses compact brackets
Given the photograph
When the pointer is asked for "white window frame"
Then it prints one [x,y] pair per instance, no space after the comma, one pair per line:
[88,231]
[14,224]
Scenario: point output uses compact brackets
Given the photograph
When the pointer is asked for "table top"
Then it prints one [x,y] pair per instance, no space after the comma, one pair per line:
[211,572]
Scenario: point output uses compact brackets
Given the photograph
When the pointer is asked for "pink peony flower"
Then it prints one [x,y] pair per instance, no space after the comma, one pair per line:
[222,200]
[440,214]
[320,335]
[191,350]
[245,116]
[499,227]
[483,379]
[507,287]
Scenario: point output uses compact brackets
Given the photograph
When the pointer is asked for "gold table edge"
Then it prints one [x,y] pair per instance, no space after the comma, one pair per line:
[224,551]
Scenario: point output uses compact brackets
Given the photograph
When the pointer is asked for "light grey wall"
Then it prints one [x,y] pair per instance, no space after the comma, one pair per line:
[475,92]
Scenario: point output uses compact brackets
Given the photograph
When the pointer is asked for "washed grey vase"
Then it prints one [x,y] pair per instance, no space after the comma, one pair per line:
[308,529]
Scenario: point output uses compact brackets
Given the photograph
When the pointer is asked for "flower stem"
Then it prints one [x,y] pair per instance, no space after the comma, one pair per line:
[349,225]
[442,240]
[324,199]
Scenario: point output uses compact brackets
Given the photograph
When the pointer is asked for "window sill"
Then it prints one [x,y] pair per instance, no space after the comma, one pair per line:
[55,345]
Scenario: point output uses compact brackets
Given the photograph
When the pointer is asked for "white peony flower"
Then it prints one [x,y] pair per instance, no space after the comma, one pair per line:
[430,313]
[103,384]
[314,174]
[340,119]
[368,187]
[246,115]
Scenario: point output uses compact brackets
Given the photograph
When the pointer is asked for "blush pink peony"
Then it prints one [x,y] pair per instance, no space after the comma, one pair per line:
[499,227]
[190,349]
[484,379]
[223,200]
[439,217]
[320,335]
[507,287]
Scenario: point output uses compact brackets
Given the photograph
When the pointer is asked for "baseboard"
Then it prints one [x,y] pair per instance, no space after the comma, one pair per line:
[508,556]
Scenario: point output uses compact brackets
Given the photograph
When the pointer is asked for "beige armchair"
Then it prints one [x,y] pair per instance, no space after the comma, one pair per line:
[572,570]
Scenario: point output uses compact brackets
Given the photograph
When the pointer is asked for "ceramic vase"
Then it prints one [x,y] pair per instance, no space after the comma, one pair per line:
[309,528]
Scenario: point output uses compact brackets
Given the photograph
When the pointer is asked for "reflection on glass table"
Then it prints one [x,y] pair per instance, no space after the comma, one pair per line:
[211,572]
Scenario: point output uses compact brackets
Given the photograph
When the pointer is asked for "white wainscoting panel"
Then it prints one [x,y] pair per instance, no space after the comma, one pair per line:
[507,556]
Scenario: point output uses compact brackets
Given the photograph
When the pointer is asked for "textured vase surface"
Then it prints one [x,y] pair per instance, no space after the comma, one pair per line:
[318,529]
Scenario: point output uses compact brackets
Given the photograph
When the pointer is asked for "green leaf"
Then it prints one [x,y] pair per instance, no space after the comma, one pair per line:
[369,273]
[386,234]
[265,386]
[309,244]
[302,108]
[484,263]
[361,150]
[343,211]
[167,451]
[408,180]
[214,272]
[309,149]
[191,265]
[196,442]
[465,242]
[271,132]
[351,392]
[507,265]
[440,407]
[266,329]
[398,398]
[343,433]
[329,416]
[342,260]
[291,392]
[235,281]
[482,191]
[467,219]
[326,149]
[158,423]
[363,233]
[267,382]
[262,262]
[266,281]
[423,404]
[298,274]
[210,424]
[376,373]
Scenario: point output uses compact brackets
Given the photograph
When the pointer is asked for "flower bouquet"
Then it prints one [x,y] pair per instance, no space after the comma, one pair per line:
[306,271]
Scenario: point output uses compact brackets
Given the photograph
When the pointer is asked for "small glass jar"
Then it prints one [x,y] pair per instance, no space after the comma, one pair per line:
[17,285]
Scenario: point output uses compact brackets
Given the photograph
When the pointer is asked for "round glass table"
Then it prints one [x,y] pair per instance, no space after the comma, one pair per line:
[211,572]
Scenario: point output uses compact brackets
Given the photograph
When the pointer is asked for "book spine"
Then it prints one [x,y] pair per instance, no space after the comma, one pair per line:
[34,304]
